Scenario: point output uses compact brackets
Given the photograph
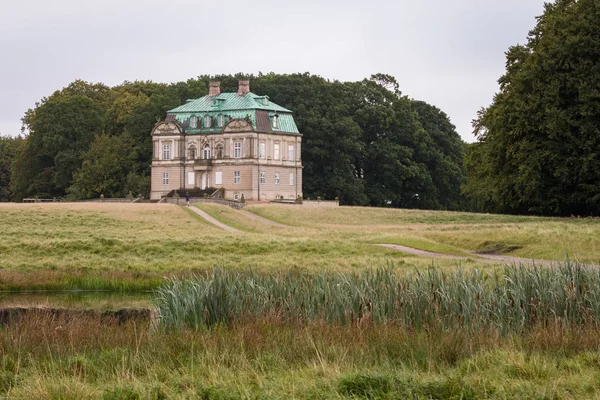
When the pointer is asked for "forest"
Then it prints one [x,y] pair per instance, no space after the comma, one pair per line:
[364,142]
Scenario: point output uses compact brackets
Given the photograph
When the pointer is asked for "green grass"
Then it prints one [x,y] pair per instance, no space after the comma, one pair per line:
[43,357]
[514,300]
[133,247]
[266,350]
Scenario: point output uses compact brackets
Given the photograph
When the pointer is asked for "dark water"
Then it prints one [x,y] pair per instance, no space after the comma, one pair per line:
[87,300]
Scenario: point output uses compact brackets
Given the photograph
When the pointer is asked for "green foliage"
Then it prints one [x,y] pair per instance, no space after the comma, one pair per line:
[363,142]
[517,300]
[538,141]
[105,167]
[8,151]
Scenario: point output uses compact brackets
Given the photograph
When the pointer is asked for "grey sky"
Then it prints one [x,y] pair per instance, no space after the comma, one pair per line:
[448,53]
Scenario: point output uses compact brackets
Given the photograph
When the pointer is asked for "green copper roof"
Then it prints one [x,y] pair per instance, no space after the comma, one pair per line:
[259,110]
[229,102]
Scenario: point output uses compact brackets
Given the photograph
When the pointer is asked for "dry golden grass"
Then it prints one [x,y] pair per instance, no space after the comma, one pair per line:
[129,246]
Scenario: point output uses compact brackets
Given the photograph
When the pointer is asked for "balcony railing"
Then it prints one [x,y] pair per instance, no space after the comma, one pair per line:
[202,162]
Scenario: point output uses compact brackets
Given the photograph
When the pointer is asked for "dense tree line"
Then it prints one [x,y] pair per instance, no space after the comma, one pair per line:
[364,142]
[538,148]
[8,151]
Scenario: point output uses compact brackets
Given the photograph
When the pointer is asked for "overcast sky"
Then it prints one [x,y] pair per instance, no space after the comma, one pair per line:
[448,53]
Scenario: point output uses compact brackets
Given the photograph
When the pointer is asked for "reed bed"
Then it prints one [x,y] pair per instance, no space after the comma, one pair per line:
[513,299]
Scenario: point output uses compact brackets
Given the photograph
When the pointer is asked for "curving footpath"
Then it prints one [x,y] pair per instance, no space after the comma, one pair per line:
[262,219]
[214,221]
[479,257]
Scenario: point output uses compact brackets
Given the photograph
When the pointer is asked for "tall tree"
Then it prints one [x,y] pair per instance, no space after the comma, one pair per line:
[539,141]
[8,151]
[105,168]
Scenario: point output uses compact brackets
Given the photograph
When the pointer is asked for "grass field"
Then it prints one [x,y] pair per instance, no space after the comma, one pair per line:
[128,247]
[132,247]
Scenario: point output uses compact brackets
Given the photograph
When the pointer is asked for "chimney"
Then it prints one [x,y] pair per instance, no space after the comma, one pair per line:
[243,88]
[214,88]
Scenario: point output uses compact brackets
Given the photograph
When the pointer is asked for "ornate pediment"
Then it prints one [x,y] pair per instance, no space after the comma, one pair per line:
[167,128]
[238,125]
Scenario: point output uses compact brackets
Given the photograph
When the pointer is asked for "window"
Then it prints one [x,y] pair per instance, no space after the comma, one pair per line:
[220,120]
[261,150]
[277,178]
[165,178]
[206,152]
[263,177]
[237,150]
[275,122]
[218,178]
[276,151]
[192,152]
[265,101]
[219,151]
[191,178]
[207,121]
[236,196]
[236,177]
[166,151]
[291,155]
[291,178]
[193,122]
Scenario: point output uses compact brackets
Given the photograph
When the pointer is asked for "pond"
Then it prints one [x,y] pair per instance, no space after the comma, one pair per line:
[81,300]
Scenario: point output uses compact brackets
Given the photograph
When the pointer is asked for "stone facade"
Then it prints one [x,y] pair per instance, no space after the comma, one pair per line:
[241,158]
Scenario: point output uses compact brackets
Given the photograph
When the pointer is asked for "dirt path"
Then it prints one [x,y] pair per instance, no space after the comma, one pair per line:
[495,258]
[214,221]
[417,252]
[262,219]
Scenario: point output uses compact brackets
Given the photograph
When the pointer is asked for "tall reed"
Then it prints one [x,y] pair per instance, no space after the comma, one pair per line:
[515,299]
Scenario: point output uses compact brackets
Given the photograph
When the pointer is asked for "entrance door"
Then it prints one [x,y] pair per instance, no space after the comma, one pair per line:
[204,180]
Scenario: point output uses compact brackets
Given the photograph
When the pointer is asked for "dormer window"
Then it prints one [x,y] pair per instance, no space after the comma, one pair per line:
[214,102]
[275,121]
[265,101]
[220,120]
[207,121]
[193,122]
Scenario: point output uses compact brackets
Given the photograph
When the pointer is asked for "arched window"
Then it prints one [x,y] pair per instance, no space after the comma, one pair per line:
[207,121]
[206,152]
[275,122]
[193,122]
[220,120]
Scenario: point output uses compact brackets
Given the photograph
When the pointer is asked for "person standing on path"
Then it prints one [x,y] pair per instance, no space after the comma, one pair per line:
[187,198]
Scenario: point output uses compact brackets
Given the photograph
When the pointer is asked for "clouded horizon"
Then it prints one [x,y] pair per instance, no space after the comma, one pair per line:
[449,54]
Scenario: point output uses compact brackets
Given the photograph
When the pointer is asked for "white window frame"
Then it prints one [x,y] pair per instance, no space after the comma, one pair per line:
[191,178]
[237,178]
[291,152]
[207,121]
[236,196]
[206,152]
[165,178]
[262,150]
[218,178]
[193,122]
[220,120]
[166,151]
[277,178]
[291,179]
[263,177]
[276,151]
[275,123]
[237,149]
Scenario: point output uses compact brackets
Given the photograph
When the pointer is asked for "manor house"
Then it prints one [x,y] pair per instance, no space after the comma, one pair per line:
[241,142]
